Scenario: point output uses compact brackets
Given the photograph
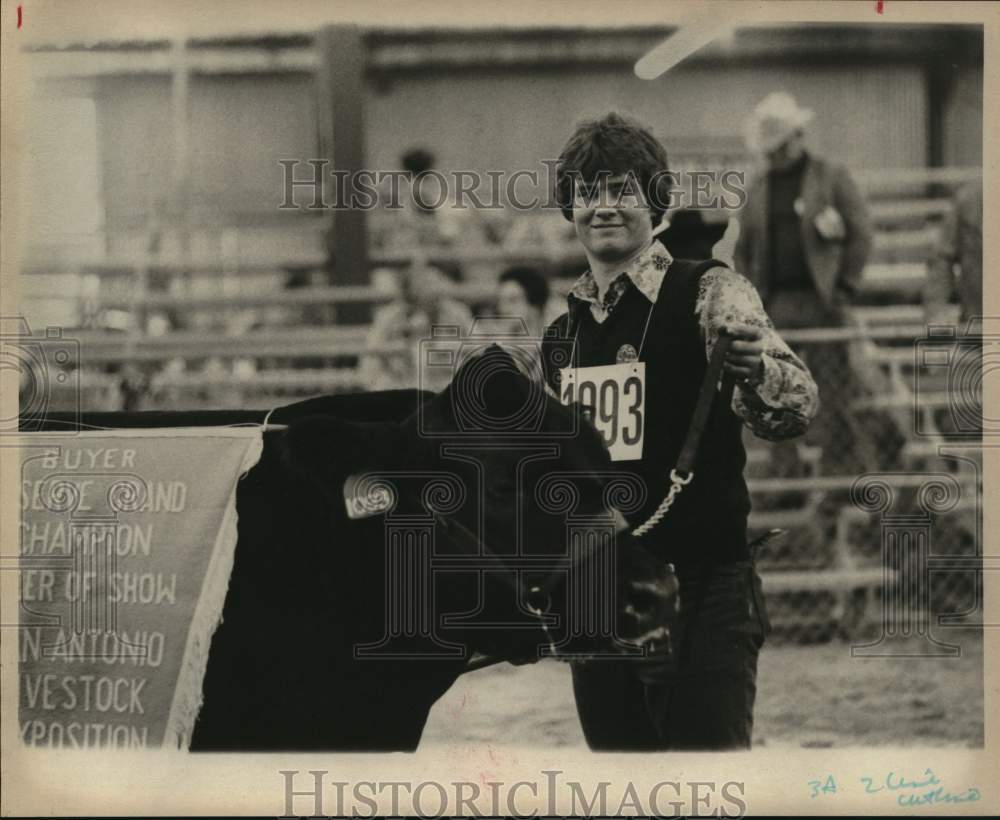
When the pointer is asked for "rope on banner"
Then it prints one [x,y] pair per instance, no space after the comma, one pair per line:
[265,427]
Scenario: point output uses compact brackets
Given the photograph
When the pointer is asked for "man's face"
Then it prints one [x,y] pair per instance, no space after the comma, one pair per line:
[786,154]
[513,302]
[612,218]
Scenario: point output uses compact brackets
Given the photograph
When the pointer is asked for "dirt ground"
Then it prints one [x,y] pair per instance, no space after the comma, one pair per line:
[808,696]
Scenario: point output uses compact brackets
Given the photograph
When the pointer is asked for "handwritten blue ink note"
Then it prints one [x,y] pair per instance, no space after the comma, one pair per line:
[828,786]
[910,791]
[895,782]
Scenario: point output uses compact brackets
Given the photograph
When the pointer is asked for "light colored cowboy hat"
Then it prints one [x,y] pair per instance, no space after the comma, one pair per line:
[775,119]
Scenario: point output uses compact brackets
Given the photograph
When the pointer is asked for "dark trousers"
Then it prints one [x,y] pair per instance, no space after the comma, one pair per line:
[702,698]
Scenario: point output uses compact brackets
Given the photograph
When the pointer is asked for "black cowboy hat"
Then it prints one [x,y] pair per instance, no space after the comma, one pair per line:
[690,236]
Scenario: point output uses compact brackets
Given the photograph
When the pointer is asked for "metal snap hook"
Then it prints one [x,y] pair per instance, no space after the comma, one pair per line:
[538,601]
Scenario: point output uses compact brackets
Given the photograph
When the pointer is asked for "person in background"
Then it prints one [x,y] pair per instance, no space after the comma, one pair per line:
[424,303]
[805,229]
[957,264]
[522,303]
[805,237]
[424,211]
[956,269]
[428,215]
[523,293]
[387,282]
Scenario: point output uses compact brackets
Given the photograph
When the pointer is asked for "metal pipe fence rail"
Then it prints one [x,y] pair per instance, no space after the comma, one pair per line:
[110,346]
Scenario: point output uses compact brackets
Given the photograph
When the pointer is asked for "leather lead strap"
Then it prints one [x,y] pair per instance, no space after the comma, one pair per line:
[706,395]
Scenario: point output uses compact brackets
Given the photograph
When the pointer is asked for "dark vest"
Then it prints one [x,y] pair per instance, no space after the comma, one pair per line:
[708,521]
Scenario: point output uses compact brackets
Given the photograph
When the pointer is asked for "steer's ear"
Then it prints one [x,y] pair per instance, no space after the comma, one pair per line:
[327,450]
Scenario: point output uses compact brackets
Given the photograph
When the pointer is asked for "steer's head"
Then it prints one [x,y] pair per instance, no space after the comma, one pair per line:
[524,504]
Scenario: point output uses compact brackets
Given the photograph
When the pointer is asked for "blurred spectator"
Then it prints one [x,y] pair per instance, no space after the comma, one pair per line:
[133,386]
[805,236]
[163,391]
[522,310]
[424,303]
[423,212]
[158,324]
[523,293]
[387,283]
[957,265]
[220,387]
[805,231]
[428,212]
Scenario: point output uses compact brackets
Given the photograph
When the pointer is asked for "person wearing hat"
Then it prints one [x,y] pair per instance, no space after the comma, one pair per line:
[805,237]
[805,230]
[959,250]
[635,345]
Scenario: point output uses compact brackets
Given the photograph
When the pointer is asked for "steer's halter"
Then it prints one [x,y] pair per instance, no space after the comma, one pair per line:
[683,473]
[536,598]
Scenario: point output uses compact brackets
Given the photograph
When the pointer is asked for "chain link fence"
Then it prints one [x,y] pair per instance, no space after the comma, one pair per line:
[880,500]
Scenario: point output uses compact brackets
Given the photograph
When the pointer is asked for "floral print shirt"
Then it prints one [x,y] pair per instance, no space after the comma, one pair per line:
[779,403]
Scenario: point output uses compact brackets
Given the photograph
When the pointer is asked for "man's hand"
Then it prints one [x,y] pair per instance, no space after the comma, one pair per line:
[744,360]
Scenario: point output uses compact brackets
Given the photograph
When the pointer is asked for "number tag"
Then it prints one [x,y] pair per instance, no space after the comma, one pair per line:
[365,502]
[617,395]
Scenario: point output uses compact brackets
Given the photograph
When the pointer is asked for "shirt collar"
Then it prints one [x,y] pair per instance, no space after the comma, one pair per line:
[646,272]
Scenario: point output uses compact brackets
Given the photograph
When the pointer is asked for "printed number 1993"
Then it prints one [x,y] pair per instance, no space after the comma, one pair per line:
[616,395]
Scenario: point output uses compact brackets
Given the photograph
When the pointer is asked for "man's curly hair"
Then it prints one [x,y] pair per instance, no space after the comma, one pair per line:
[613,145]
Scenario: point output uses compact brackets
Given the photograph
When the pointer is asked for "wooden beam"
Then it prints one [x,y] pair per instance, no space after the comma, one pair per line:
[940,83]
[342,91]
[66,64]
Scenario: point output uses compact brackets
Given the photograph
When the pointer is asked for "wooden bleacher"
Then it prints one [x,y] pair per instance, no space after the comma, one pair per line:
[907,206]
[890,371]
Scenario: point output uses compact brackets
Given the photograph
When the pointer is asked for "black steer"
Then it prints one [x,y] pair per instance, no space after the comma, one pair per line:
[490,524]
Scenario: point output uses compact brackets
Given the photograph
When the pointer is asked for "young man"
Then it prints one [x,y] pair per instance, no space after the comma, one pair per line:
[643,327]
